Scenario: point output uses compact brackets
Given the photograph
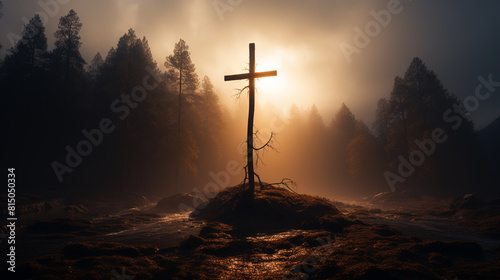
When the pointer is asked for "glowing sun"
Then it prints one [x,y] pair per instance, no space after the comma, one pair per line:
[272,89]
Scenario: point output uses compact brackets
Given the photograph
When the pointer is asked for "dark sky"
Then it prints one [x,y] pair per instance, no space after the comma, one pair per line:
[301,39]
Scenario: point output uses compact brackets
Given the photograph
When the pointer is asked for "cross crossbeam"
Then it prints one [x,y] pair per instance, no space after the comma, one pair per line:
[251,76]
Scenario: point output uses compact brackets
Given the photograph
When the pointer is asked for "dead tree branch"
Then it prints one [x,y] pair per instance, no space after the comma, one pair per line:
[267,143]
[239,92]
[285,182]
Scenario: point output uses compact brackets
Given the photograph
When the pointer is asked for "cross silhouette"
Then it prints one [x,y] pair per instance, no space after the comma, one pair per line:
[251,76]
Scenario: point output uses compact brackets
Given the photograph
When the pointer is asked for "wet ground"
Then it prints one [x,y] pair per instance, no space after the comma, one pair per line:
[132,226]
[165,231]
[174,241]
[432,228]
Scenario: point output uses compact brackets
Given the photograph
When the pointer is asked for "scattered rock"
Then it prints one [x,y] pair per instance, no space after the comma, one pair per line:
[191,243]
[216,230]
[74,210]
[468,201]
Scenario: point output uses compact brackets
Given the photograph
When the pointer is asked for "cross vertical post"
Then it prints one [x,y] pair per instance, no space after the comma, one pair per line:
[251,76]
[251,110]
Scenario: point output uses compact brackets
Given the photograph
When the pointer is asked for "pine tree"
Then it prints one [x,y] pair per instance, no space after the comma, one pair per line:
[183,75]
[124,67]
[381,124]
[344,123]
[28,100]
[364,162]
[120,82]
[398,139]
[179,65]
[208,128]
[415,109]
[95,67]
[212,115]
[68,44]
[1,14]
[343,130]
[30,53]
[314,158]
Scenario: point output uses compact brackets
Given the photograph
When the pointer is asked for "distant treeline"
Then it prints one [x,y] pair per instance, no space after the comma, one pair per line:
[121,123]
[422,139]
[117,122]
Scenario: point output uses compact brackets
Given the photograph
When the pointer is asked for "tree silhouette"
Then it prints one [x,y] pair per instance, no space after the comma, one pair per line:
[125,68]
[1,14]
[47,108]
[179,65]
[314,160]
[24,71]
[95,67]
[30,53]
[28,100]
[415,108]
[68,44]
[382,120]
[343,130]
[364,161]
[397,138]
[210,125]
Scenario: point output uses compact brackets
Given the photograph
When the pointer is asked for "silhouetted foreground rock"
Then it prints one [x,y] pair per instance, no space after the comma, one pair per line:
[468,201]
[271,207]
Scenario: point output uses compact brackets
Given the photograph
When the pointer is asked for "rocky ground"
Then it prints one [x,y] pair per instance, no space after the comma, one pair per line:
[280,235]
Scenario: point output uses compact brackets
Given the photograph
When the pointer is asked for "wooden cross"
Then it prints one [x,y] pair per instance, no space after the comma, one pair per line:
[251,76]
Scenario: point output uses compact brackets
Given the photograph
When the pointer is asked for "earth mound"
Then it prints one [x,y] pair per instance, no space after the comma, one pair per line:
[271,207]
